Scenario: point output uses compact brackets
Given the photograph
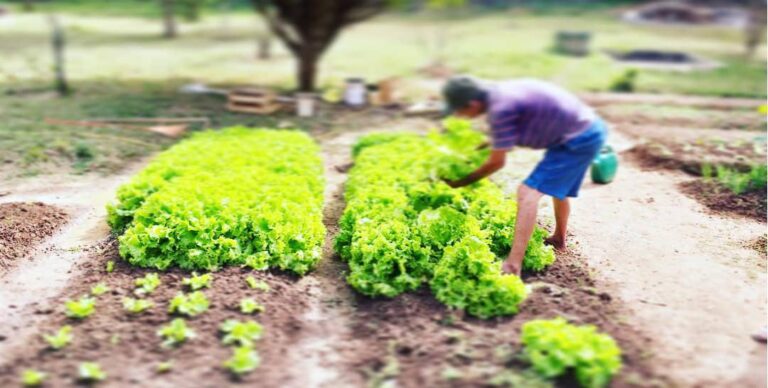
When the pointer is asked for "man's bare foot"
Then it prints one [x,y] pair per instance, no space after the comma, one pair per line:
[508,268]
[556,242]
[761,336]
[343,168]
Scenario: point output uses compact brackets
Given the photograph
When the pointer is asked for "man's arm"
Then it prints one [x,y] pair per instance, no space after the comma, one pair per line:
[495,162]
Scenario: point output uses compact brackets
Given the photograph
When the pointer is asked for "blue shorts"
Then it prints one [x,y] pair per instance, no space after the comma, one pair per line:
[561,171]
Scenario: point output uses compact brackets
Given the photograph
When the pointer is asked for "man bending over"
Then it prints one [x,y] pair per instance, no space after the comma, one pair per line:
[534,114]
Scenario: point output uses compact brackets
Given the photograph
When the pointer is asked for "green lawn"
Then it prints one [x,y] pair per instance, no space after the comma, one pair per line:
[514,43]
[120,66]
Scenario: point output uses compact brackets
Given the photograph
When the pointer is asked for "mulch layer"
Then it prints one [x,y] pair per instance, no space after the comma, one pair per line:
[23,225]
[720,199]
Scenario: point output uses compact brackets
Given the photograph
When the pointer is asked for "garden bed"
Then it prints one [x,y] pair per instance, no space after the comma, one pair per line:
[316,329]
[24,225]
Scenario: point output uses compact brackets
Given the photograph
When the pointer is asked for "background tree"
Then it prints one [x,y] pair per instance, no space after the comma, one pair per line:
[309,27]
[168,8]
[754,30]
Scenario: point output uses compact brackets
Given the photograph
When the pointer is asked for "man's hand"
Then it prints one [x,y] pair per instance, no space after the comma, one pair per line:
[509,268]
[495,161]
[453,184]
[482,146]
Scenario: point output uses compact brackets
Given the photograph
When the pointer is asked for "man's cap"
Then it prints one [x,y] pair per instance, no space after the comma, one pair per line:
[458,92]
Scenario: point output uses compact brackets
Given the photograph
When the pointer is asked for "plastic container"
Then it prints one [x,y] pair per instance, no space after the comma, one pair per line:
[605,165]
[355,93]
[305,104]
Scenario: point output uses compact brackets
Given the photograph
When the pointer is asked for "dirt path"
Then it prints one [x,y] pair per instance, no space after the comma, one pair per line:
[603,98]
[331,304]
[32,282]
[686,274]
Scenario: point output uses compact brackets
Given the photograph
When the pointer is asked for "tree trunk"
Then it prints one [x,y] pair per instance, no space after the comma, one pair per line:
[58,42]
[307,70]
[169,19]
[264,42]
[755,28]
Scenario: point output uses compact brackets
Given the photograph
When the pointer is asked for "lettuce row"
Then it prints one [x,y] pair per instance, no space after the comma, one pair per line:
[231,197]
[555,347]
[401,222]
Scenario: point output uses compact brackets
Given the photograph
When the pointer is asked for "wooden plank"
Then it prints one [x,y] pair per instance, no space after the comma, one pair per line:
[248,99]
[253,109]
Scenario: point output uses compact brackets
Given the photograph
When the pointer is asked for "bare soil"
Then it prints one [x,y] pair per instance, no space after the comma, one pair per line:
[24,225]
[720,199]
[413,331]
[688,276]
[318,332]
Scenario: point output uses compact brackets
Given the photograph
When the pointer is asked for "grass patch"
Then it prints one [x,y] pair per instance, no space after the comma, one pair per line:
[739,182]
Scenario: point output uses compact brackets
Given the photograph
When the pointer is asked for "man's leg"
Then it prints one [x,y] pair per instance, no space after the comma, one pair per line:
[562,211]
[527,206]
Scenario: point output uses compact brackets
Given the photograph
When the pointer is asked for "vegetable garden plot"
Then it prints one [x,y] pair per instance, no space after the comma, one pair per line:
[404,227]
[234,197]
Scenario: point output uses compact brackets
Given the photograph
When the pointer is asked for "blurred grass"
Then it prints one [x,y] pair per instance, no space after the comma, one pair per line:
[517,43]
[120,65]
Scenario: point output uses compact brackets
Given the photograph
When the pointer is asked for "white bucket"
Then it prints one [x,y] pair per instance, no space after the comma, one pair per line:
[305,104]
[355,93]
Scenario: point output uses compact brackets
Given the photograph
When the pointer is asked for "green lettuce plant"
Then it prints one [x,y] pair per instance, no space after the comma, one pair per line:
[81,308]
[244,359]
[257,284]
[175,333]
[555,347]
[240,333]
[60,339]
[250,306]
[99,289]
[90,372]
[197,282]
[33,378]
[237,196]
[136,306]
[191,304]
[148,283]
[401,220]
[468,277]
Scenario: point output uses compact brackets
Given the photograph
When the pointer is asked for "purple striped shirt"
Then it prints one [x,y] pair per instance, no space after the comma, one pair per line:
[534,114]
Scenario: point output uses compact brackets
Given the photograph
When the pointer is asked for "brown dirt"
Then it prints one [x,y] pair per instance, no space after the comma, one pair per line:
[426,341]
[689,157]
[721,200]
[760,245]
[740,122]
[318,332]
[427,338]
[24,225]
[127,346]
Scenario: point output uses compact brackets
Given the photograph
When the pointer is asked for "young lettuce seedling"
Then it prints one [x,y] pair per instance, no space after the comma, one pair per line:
[136,306]
[90,372]
[250,306]
[99,289]
[110,266]
[189,304]
[148,283]
[32,378]
[164,367]
[81,308]
[60,339]
[257,284]
[175,333]
[198,282]
[244,359]
[240,333]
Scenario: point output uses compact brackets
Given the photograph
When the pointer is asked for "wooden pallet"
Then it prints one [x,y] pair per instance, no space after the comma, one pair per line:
[252,100]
